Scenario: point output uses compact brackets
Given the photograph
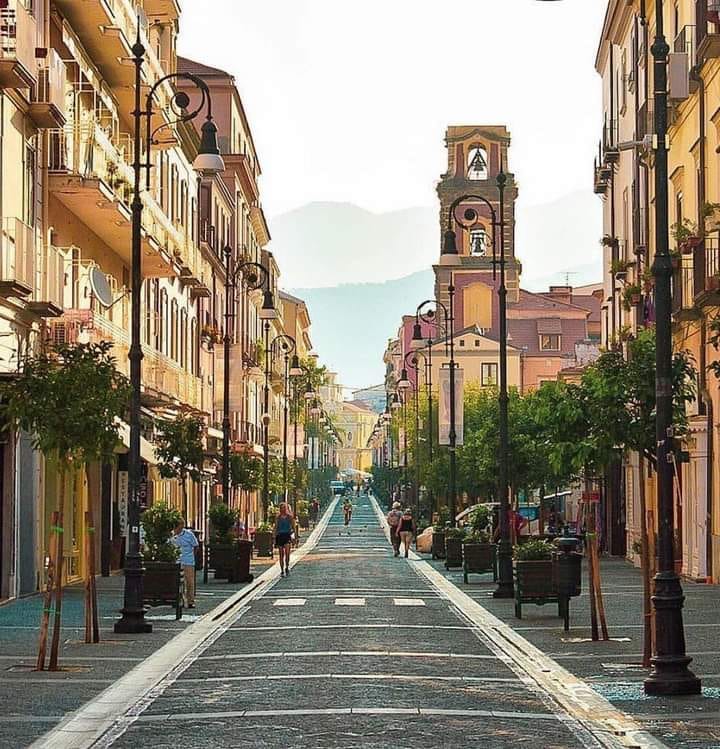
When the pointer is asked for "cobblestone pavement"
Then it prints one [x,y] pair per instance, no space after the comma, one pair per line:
[614,668]
[34,701]
[354,649]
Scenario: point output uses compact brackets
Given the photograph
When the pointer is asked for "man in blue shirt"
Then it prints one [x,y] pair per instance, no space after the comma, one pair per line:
[187,543]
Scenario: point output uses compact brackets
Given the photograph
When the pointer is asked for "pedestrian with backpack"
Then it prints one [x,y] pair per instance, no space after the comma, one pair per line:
[406,530]
[393,519]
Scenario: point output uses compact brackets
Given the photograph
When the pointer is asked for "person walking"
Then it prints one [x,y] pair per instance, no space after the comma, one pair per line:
[347,510]
[393,519]
[406,529]
[283,537]
[187,543]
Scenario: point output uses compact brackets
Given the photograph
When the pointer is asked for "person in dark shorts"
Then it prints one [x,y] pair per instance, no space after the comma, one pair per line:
[406,530]
[393,519]
[347,510]
[283,537]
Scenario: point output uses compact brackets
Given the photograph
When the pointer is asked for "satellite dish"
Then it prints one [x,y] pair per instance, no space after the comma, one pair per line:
[100,287]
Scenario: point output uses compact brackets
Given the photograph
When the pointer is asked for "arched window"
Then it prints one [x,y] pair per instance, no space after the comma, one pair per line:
[478,241]
[163,322]
[174,329]
[477,163]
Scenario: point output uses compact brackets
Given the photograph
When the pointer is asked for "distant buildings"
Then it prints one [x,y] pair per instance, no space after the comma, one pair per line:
[547,332]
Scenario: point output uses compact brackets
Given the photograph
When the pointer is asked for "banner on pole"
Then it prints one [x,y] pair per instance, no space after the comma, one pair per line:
[237,379]
[123,493]
[314,452]
[401,448]
[444,407]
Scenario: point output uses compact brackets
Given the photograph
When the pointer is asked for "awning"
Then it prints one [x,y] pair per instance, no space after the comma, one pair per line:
[215,433]
[147,450]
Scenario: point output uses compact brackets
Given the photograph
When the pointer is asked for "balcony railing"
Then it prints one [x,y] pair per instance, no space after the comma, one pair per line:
[17,47]
[48,100]
[706,21]
[17,258]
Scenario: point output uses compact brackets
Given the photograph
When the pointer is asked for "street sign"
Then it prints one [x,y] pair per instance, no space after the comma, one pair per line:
[122,488]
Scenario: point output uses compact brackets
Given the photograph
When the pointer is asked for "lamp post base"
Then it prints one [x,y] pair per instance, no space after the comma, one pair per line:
[132,623]
[133,613]
[671,677]
[670,674]
[506,586]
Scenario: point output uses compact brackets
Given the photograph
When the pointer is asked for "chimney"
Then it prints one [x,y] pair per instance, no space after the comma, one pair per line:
[561,293]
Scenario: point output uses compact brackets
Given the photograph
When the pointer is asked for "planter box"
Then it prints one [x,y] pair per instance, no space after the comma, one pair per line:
[162,585]
[438,545]
[535,582]
[264,543]
[231,561]
[453,552]
[478,559]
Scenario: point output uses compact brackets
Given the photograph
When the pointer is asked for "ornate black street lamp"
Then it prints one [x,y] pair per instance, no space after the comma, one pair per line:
[426,315]
[208,161]
[466,219]
[253,278]
[670,674]
[404,383]
[282,345]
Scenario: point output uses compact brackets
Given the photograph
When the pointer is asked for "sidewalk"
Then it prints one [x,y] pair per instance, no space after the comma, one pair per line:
[613,668]
[34,701]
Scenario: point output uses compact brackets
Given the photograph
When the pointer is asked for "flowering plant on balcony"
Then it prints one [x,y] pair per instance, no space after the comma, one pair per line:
[619,268]
[632,295]
[685,234]
[210,334]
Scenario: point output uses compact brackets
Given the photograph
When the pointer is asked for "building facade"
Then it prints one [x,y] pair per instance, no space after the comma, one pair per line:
[66,103]
[624,178]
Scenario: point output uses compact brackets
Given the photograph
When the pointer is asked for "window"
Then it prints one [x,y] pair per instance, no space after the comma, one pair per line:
[462,343]
[550,342]
[488,374]
[478,241]
[477,164]
[477,343]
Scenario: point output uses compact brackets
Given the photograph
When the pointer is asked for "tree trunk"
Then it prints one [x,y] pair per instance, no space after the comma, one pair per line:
[48,596]
[645,569]
[55,646]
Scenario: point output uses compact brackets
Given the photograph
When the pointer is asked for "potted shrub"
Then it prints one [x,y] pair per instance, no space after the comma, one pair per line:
[632,295]
[675,259]
[264,540]
[438,542]
[453,547]
[479,553]
[161,581]
[534,578]
[227,556]
[608,241]
[685,234]
[619,269]
[302,509]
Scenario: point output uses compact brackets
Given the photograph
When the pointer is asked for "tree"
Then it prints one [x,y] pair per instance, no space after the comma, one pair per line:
[180,451]
[246,472]
[69,400]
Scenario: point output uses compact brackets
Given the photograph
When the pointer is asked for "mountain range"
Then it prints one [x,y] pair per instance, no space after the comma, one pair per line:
[359,272]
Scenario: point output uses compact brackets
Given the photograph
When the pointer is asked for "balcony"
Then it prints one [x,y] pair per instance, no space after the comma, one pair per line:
[708,38]
[164,381]
[47,299]
[17,259]
[47,105]
[709,266]
[609,147]
[17,47]
[601,178]
[680,63]
[91,177]
[683,299]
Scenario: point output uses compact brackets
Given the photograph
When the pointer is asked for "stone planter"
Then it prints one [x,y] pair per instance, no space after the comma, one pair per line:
[453,552]
[438,545]
[264,543]
[478,559]
[535,582]
[231,561]
[162,585]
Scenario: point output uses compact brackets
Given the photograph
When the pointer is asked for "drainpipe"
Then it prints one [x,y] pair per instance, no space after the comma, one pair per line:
[705,405]
[612,191]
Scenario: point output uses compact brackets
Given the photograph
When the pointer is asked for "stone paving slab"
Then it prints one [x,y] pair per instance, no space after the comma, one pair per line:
[354,731]
[613,668]
[34,701]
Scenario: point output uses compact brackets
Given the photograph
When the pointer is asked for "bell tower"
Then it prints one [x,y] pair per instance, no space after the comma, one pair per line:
[476,154]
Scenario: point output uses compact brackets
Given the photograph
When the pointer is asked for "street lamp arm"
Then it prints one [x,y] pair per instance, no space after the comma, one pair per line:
[467,217]
[287,342]
[179,102]
[255,276]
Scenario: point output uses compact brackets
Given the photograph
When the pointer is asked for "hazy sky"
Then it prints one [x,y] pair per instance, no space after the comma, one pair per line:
[348,101]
